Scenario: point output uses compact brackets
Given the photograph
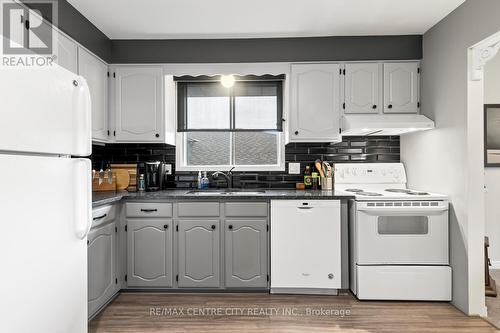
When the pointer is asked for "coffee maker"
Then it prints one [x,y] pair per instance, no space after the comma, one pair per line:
[154,174]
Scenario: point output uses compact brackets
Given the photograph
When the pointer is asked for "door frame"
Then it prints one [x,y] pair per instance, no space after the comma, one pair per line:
[478,55]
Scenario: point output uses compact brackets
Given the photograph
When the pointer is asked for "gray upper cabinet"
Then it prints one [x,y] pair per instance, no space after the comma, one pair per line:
[246,253]
[149,252]
[101,266]
[139,109]
[315,103]
[363,88]
[401,87]
[95,72]
[199,253]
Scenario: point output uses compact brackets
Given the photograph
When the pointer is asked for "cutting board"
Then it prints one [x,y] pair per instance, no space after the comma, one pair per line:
[131,171]
[122,179]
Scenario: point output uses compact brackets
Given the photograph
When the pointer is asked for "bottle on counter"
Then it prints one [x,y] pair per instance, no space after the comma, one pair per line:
[141,185]
[307,178]
[315,181]
[205,183]
[199,185]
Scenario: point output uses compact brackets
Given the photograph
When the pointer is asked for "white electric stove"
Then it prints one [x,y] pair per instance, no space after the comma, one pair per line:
[398,236]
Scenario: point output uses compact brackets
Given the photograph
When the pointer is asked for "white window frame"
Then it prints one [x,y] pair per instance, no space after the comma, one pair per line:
[171,70]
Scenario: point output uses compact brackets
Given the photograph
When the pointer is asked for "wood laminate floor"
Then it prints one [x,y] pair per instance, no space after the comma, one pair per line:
[260,312]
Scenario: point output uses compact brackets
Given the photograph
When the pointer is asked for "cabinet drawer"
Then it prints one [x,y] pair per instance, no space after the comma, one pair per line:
[102,215]
[198,209]
[154,209]
[235,209]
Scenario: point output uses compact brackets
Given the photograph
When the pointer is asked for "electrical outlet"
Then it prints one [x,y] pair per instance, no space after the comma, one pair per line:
[294,168]
[168,169]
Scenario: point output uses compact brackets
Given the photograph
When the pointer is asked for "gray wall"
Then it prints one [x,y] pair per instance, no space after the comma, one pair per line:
[268,49]
[437,160]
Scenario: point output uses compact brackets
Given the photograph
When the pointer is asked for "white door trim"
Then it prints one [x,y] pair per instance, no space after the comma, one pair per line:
[483,52]
[478,55]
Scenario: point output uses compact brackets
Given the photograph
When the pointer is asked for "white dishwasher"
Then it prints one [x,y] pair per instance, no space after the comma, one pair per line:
[305,246]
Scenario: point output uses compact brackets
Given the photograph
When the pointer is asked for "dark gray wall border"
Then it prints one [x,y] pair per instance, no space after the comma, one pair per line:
[336,48]
[74,24]
[78,27]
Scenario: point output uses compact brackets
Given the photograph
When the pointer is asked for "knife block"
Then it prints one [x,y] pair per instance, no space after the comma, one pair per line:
[105,186]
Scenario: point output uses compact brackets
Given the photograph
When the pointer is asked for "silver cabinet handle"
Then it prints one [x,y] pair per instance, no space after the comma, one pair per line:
[305,207]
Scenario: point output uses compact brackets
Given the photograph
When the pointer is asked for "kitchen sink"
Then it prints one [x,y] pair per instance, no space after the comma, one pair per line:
[227,192]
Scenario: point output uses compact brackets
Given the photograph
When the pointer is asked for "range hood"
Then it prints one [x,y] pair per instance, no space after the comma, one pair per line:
[384,124]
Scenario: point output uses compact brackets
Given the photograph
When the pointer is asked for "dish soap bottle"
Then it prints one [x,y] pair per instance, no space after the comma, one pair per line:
[307,178]
[204,181]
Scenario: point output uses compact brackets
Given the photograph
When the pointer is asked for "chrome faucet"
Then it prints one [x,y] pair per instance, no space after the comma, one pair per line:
[227,175]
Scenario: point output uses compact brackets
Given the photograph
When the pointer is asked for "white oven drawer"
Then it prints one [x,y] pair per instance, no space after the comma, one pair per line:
[423,283]
[405,236]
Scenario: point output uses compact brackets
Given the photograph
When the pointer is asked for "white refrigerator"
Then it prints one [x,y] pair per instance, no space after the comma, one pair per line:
[45,200]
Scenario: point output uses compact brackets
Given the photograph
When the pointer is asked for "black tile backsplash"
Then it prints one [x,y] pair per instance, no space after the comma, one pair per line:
[351,149]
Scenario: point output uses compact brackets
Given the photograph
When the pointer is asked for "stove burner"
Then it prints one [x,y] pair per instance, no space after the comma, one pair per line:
[406,191]
[417,193]
[397,190]
[355,190]
[369,194]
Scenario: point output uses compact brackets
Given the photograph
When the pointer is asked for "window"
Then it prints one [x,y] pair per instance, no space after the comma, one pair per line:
[220,128]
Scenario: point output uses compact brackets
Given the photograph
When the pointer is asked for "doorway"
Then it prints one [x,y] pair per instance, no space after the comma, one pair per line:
[491,79]
[483,89]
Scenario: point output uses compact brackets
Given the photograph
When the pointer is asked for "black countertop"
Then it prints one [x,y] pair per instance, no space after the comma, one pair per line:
[103,198]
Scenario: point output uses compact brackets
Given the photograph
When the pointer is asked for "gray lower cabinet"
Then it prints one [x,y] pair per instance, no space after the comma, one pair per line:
[198,253]
[102,283]
[246,254]
[149,252]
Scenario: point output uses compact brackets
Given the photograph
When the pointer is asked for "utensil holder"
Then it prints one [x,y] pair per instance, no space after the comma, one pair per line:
[326,183]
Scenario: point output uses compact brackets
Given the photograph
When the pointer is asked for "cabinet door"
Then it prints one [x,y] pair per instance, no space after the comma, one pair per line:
[101,266]
[65,49]
[96,73]
[246,253]
[149,253]
[363,89]
[139,104]
[199,248]
[315,103]
[67,53]
[401,87]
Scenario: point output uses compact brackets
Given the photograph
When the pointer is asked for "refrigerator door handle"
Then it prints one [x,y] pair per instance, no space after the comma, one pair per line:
[82,107]
[83,197]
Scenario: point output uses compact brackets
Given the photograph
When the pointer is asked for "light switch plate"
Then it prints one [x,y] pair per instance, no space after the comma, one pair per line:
[294,168]
[168,169]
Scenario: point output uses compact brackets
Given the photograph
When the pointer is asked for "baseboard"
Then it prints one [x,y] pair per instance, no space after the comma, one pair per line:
[495,264]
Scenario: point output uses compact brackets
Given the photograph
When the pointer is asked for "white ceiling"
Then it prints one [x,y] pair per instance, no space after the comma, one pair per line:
[175,19]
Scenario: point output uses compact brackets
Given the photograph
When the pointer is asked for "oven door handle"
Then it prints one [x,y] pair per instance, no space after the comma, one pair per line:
[403,210]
